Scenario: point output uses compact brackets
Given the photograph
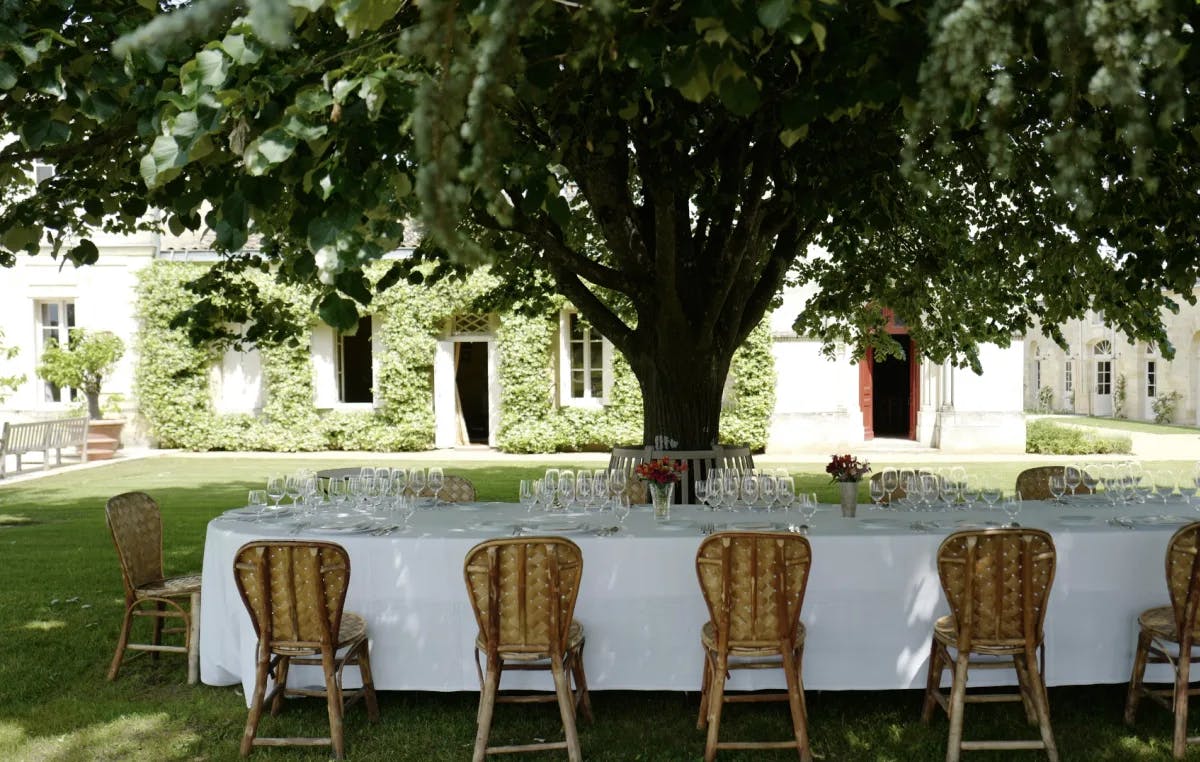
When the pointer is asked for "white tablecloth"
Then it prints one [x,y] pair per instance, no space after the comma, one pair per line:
[873,595]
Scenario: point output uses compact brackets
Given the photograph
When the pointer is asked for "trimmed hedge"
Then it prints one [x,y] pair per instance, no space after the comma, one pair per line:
[1047,438]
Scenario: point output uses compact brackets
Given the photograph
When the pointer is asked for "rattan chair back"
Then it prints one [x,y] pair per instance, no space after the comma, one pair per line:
[523,591]
[1034,483]
[997,582]
[295,591]
[455,489]
[1183,579]
[753,584]
[135,523]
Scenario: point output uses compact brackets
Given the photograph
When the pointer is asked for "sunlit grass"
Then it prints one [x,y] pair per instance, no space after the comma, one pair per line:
[61,610]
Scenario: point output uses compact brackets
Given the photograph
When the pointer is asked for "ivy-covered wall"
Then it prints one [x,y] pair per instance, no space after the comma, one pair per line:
[174,380]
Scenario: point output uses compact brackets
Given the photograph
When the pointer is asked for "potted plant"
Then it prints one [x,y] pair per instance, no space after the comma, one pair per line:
[88,357]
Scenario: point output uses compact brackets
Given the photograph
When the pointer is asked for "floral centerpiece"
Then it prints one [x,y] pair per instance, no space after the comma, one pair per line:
[847,471]
[847,468]
[660,477]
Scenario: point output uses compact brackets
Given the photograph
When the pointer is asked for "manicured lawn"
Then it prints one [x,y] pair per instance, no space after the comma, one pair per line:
[1124,425]
[60,612]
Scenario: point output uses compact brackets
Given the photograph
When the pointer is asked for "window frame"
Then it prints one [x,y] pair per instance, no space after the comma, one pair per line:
[1069,377]
[339,376]
[68,321]
[565,368]
[1151,379]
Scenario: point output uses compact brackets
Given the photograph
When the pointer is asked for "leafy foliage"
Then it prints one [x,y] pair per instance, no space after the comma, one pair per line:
[8,383]
[973,165]
[1164,406]
[1046,438]
[172,382]
[83,364]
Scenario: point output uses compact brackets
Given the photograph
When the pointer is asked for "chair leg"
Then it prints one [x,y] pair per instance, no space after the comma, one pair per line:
[1025,687]
[156,638]
[122,643]
[583,699]
[1037,689]
[958,695]
[1183,668]
[193,639]
[795,694]
[716,701]
[487,704]
[1134,695]
[933,681]
[566,707]
[333,703]
[256,704]
[281,678]
[705,684]
[368,681]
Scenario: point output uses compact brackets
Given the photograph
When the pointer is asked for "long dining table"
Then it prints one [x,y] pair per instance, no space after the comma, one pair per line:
[872,598]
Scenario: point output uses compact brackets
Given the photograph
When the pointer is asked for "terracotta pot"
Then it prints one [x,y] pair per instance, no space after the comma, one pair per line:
[104,438]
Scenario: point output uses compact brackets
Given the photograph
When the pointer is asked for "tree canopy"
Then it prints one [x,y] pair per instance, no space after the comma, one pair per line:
[973,165]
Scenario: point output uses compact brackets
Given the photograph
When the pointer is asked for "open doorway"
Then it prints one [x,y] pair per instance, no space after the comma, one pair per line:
[471,387]
[888,392]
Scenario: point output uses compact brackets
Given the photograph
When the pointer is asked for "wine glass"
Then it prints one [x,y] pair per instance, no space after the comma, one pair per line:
[436,480]
[621,506]
[929,489]
[1087,477]
[889,479]
[785,491]
[400,480]
[600,487]
[566,489]
[877,491]
[583,489]
[991,495]
[767,488]
[1072,476]
[257,499]
[808,509]
[701,493]
[1058,486]
[408,506]
[618,481]
[292,487]
[750,490]
[276,489]
[1012,507]
[416,482]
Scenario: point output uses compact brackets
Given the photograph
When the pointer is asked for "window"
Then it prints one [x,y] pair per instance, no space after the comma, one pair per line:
[353,363]
[1037,375]
[1151,378]
[1069,377]
[55,320]
[42,173]
[585,365]
[1103,377]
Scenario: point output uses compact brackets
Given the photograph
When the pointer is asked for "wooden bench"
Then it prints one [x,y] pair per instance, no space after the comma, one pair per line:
[19,439]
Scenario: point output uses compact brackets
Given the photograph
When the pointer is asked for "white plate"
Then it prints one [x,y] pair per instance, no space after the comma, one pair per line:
[676,526]
[468,507]
[555,527]
[751,526]
[1154,521]
[491,526]
[250,512]
[1076,521]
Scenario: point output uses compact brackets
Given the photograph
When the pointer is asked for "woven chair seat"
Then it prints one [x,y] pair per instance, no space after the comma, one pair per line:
[1160,621]
[708,639]
[574,641]
[171,587]
[946,632]
[352,629]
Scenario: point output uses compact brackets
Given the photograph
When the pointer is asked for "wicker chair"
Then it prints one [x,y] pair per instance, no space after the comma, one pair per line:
[753,584]
[455,489]
[295,593]
[1168,631]
[1034,483]
[997,582]
[523,592]
[135,523]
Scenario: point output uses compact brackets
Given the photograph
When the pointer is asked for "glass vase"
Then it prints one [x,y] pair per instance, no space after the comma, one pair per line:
[661,495]
[849,496]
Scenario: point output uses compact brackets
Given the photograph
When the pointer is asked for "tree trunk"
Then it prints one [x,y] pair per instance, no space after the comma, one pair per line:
[681,394]
[93,404]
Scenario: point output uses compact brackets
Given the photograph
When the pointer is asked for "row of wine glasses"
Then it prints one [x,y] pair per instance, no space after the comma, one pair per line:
[565,489]
[734,490]
[410,481]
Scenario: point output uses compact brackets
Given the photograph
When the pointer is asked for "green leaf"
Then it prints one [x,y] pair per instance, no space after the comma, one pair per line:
[819,31]
[211,66]
[313,99]
[358,16]
[273,147]
[354,284]
[236,48]
[338,312]
[84,253]
[773,13]
[8,76]
[886,13]
[740,95]
[20,237]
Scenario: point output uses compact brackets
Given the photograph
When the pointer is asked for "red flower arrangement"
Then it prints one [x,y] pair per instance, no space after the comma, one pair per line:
[847,468]
[663,471]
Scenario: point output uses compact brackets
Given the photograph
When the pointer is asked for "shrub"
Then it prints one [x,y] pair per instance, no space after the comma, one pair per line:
[1045,398]
[1047,438]
[1164,407]
[1119,395]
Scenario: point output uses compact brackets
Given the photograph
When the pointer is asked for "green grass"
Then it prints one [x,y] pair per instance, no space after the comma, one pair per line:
[1124,425]
[60,612]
